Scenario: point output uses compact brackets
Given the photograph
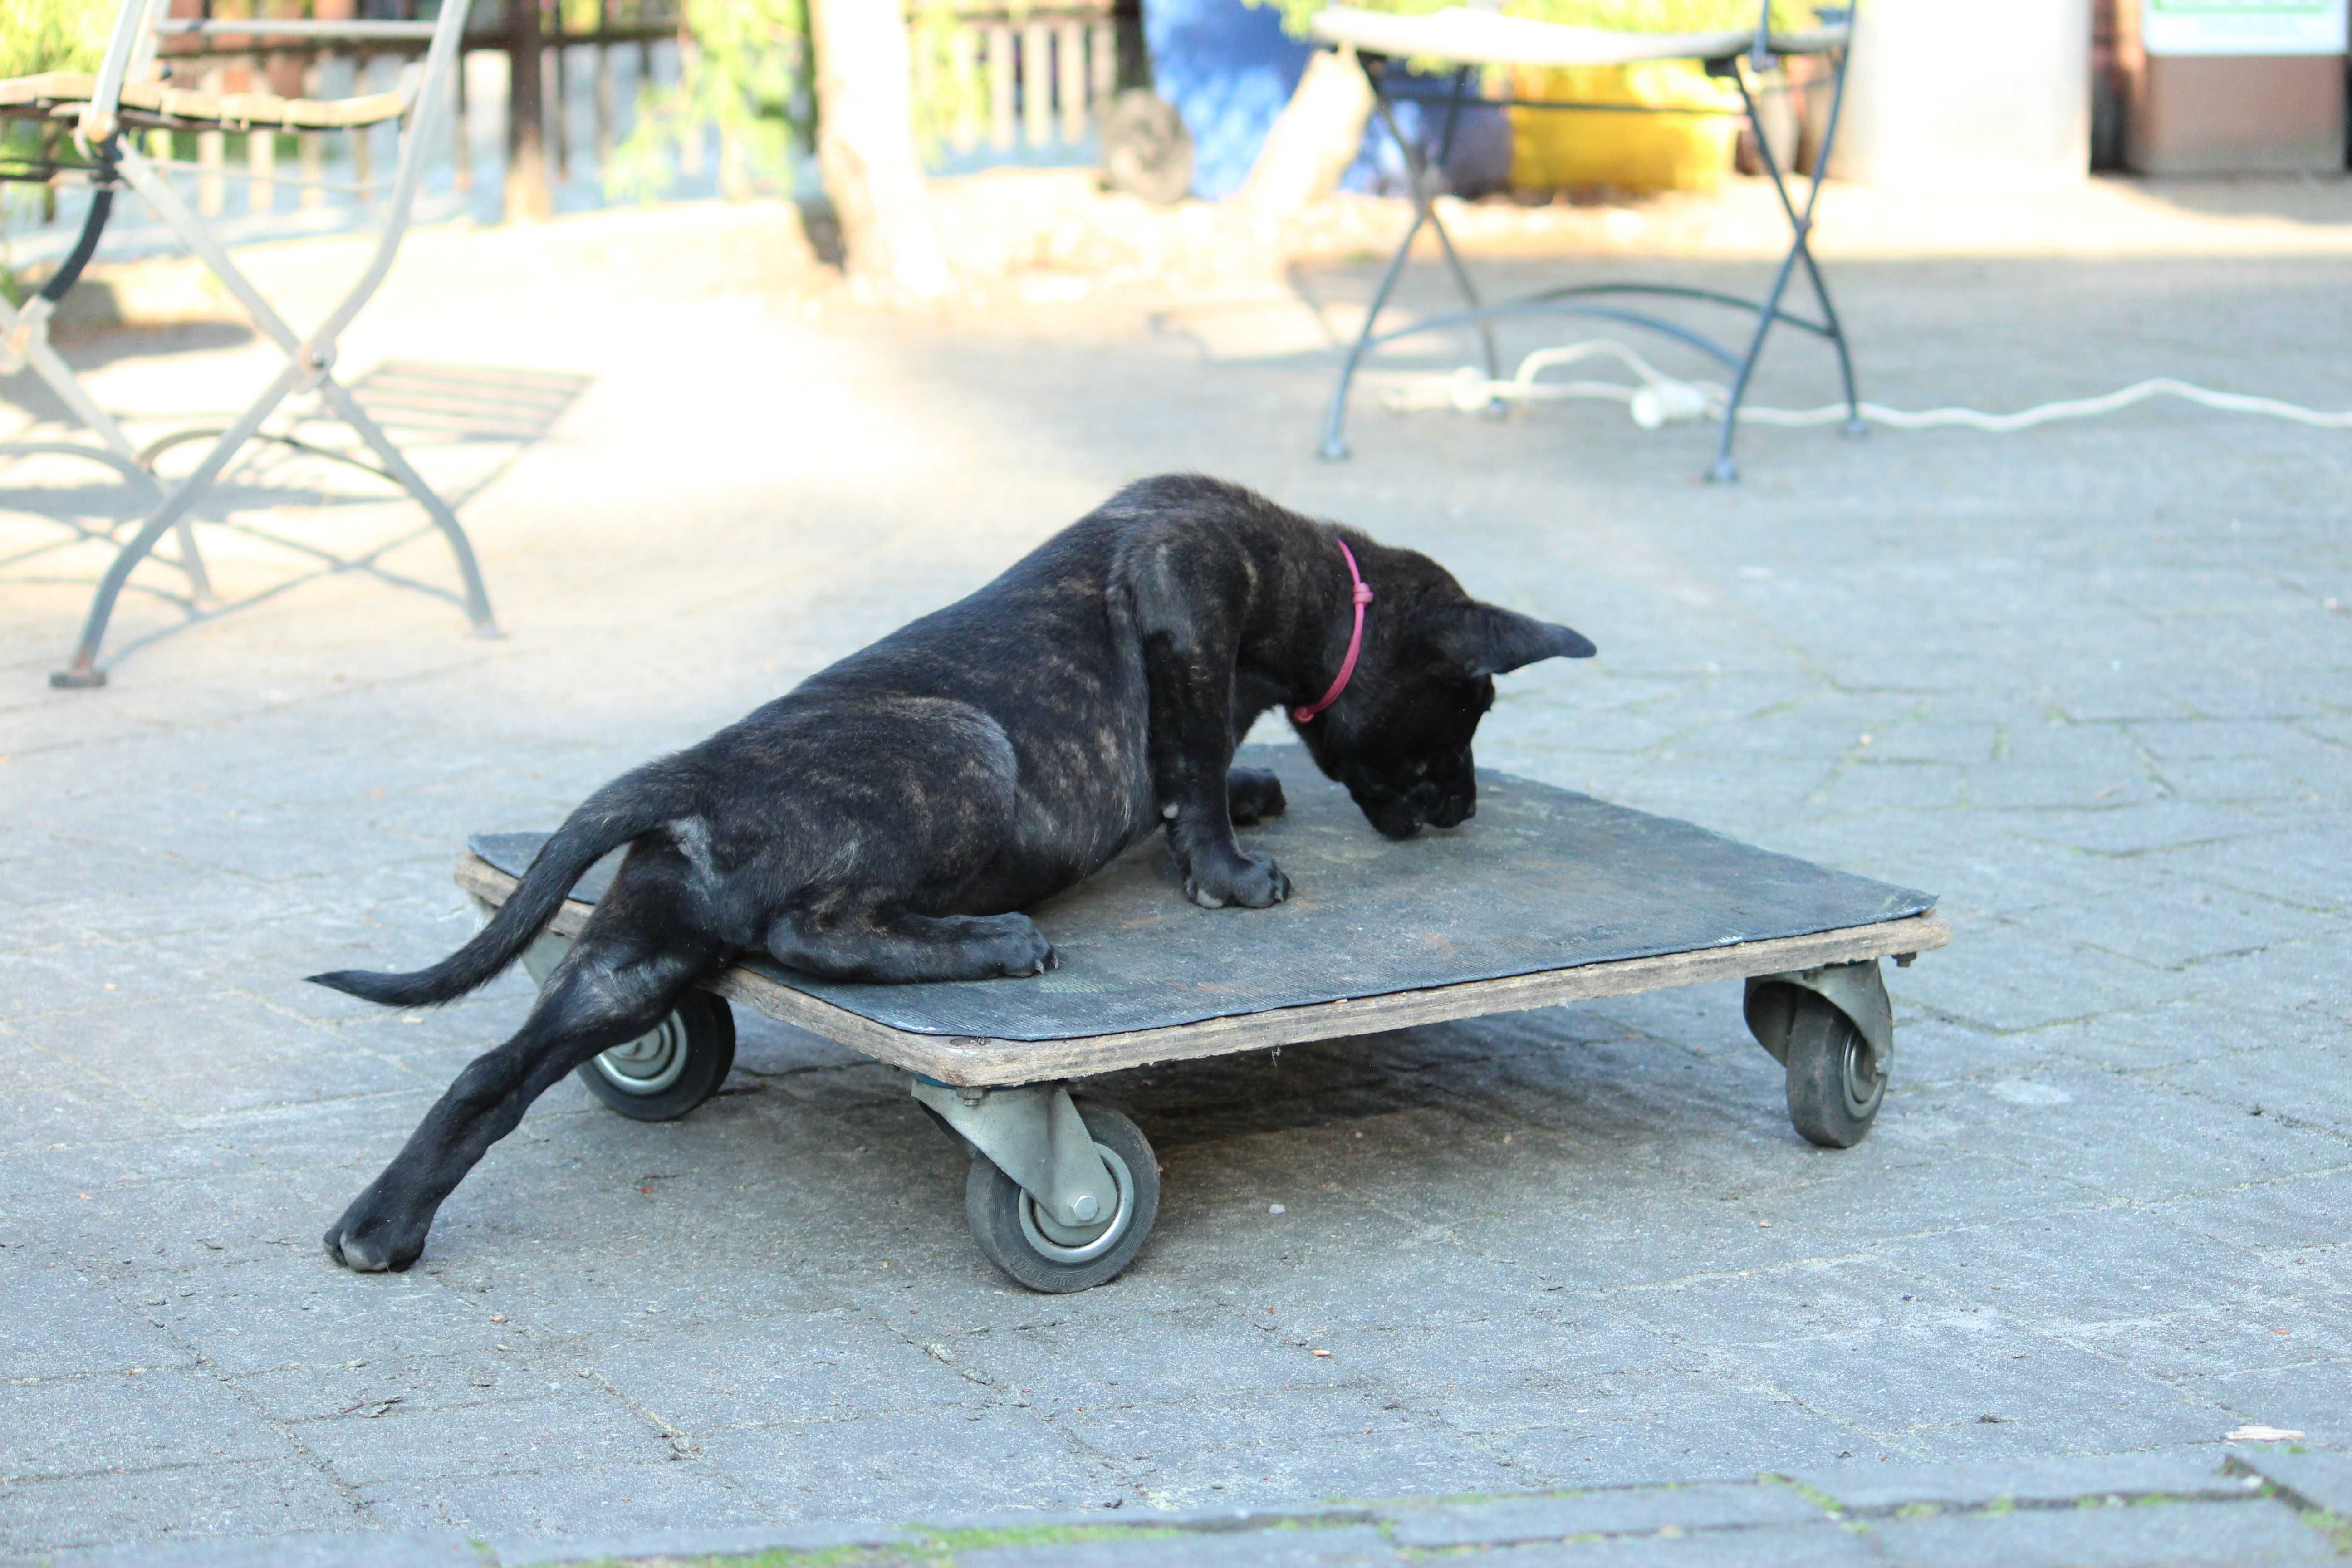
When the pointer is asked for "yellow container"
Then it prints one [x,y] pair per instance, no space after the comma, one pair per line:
[1555,149]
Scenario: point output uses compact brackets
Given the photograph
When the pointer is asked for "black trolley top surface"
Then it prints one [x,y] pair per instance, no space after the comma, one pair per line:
[1540,881]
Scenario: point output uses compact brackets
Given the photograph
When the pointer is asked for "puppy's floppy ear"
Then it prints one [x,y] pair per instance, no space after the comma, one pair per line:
[1486,639]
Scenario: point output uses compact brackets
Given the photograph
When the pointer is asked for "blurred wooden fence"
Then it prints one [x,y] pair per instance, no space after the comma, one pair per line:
[560,37]
[1001,80]
[1009,78]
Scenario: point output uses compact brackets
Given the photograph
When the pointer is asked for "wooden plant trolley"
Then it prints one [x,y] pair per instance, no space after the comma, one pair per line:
[1545,896]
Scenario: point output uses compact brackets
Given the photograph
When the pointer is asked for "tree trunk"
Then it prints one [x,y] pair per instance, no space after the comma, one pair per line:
[527,198]
[1314,140]
[866,147]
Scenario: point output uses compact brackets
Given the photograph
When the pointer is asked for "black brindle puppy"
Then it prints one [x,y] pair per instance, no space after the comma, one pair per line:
[885,820]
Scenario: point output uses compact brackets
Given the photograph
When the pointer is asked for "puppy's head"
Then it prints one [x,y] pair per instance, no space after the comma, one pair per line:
[1399,737]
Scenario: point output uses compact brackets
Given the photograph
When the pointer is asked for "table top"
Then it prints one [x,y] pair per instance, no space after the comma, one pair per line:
[1540,879]
[1470,36]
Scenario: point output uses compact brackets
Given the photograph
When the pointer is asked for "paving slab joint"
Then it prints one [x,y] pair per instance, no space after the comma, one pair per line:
[2315,1481]
[1812,1494]
[1183,1522]
[1329,1517]
[2241,1488]
[1716,1508]
[946,1540]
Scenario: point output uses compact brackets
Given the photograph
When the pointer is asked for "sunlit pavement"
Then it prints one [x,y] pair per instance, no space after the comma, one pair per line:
[2088,682]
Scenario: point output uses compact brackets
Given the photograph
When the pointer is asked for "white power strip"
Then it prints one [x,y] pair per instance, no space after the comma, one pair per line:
[1659,399]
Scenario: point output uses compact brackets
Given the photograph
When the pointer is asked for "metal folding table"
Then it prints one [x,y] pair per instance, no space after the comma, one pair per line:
[1472,39]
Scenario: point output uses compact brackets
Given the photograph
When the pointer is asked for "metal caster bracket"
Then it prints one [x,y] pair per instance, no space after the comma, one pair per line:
[1035,1134]
[1856,990]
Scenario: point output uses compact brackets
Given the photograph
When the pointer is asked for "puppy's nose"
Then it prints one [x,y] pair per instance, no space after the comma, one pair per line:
[1455,812]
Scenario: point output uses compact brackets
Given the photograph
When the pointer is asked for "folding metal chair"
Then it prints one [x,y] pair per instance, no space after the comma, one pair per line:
[124,97]
[1473,36]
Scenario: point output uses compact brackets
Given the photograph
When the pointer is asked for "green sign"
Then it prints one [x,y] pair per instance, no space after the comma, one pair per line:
[2242,27]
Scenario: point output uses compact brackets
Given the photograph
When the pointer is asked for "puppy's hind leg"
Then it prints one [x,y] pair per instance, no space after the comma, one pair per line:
[1253,795]
[610,988]
[917,830]
[906,948]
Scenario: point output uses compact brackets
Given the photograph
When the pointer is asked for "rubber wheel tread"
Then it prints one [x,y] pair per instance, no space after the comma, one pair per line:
[993,1200]
[1821,1102]
[709,1027]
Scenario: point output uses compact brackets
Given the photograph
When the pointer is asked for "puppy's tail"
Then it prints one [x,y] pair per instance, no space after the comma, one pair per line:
[633,803]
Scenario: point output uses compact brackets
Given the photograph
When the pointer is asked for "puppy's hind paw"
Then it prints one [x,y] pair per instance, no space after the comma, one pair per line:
[1024,952]
[1253,795]
[364,1254]
[367,1242]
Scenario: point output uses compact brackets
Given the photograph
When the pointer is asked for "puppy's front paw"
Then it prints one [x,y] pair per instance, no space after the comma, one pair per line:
[1253,795]
[1253,881]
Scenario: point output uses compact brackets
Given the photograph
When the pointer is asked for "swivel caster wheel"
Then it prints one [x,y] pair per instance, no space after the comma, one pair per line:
[1037,1252]
[1834,1093]
[676,1066]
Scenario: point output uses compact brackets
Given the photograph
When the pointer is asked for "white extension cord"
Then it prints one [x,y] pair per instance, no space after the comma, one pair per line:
[1659,399]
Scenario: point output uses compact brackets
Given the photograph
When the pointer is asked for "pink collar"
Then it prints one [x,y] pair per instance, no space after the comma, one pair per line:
[1362,596]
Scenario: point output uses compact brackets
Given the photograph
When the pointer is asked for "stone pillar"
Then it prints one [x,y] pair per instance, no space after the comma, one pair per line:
[1981,92]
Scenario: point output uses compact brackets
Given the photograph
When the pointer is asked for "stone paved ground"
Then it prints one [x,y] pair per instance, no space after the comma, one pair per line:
[2088,682]
[2261,1504]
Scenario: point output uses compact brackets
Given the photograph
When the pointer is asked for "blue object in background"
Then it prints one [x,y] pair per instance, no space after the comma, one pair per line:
[1479,160]
[1230,70]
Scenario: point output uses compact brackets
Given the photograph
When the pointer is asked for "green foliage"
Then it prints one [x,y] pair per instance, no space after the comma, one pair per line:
[1812,1494]
[931,1547]
[976,1540]
[788,1557]
[38,35]
[751,75]
[748,74]
[2337,1529]
[1617,15]
[947,88]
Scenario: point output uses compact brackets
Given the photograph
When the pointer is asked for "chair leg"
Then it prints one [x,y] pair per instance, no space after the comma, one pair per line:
[1725,470]
[200,581]
[1335,443]
[478,595]
[83,671]
[1855,424]
[317,354]
[45,363]
[1487,356]
[1453,101]
[309,359]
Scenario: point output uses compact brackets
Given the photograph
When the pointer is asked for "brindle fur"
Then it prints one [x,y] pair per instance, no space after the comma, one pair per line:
[887,819]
